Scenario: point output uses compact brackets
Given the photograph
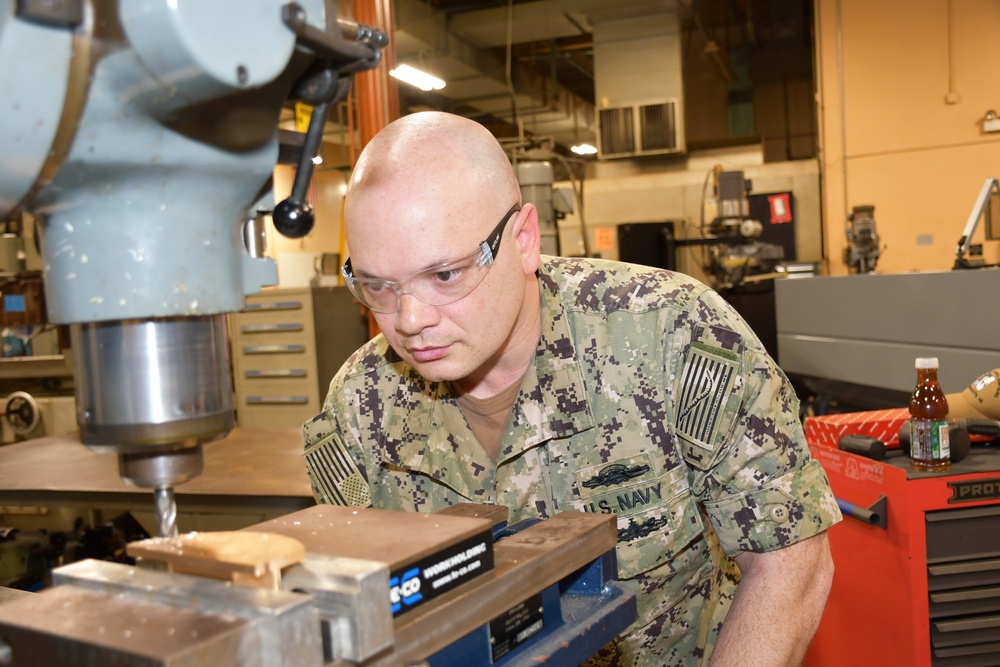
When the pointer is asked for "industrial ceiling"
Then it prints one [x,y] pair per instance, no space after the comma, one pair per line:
[526,68]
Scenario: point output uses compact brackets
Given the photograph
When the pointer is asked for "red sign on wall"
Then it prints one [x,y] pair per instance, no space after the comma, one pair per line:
[781,208]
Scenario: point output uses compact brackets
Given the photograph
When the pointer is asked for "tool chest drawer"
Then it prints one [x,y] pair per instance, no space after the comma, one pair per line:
[963,584]
[286,345]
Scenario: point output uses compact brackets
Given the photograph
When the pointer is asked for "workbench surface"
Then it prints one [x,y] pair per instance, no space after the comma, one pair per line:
[248,462]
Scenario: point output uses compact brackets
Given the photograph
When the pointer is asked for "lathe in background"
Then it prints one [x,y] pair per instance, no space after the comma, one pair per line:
[749,240]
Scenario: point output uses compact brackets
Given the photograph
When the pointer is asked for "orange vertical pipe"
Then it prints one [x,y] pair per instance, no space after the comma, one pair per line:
[377,92]
[377,95]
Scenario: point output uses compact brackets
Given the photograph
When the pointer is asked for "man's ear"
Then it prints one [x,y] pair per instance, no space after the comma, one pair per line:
[528,238]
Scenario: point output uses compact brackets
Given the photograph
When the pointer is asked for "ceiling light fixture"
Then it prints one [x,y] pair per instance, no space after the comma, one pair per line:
[584,149]
[415,77]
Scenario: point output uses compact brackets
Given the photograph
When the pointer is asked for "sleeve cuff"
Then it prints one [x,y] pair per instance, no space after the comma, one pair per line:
[788,509]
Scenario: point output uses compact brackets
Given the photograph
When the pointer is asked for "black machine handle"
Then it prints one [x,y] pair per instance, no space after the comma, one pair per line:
[325,84]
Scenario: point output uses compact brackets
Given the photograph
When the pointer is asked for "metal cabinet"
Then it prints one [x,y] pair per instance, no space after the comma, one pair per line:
[922,587]
[287,345]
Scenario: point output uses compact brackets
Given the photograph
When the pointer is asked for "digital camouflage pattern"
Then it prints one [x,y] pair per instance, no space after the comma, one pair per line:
[648,398]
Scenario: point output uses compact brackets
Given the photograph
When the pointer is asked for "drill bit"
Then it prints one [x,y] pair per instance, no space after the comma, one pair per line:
[166,511]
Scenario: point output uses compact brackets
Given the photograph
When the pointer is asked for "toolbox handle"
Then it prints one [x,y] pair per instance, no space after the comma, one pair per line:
[873,516]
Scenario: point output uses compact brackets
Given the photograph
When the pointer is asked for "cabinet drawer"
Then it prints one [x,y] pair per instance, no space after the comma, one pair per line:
[296,361]
[979,600]
[280,387]
[963,534]
[286,304]
[964,574]
[958,632]
[275,415]
[275,373]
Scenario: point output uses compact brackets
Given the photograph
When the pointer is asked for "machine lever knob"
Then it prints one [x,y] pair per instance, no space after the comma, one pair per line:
[322,87]
[294,217]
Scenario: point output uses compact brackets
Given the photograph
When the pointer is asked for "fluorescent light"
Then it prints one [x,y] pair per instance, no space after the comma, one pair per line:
[584,149]
[415,77]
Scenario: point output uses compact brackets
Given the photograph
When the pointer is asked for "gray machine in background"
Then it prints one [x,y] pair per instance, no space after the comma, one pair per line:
[536,178]
[862,251]
[856,336]
[140,134]
[860,334]
[987,208]
[736,249]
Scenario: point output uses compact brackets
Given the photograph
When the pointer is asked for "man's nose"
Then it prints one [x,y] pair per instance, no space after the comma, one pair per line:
[414,315]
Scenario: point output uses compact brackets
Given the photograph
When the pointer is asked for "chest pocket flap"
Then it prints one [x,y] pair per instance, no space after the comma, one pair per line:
[709,394]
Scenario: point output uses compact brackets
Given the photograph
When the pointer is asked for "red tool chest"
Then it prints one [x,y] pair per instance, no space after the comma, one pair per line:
[922,588]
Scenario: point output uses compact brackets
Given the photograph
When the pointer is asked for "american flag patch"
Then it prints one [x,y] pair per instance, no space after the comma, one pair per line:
[705,383]
[335,476]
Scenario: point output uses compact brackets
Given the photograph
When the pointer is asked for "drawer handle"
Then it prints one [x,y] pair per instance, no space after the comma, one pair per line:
[277,400]
[272,349]
[278,373]
[966,595]
[277,305]
[270,328]
[873,516]
[966,624]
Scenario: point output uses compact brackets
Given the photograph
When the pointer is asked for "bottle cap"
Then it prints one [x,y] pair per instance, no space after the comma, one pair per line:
[927,362]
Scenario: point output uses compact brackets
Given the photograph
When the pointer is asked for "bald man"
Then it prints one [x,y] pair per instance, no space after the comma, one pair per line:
[551,384]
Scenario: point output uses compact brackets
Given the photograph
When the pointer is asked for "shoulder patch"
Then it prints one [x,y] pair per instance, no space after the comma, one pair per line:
[708,378]
[335,475]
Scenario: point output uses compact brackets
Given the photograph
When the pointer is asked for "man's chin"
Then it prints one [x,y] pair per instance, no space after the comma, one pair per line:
[436,370]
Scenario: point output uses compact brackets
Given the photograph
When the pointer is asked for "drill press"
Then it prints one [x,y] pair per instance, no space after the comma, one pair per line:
[142,134]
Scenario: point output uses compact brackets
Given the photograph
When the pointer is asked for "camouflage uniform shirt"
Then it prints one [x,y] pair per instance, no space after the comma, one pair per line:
[648,398]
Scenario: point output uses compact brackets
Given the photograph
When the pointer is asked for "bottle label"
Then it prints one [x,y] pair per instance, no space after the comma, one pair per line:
[929,440]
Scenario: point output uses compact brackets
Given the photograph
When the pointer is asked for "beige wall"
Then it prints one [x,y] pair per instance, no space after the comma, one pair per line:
[902,142]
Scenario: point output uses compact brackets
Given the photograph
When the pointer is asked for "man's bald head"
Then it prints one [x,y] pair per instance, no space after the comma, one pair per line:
[426,194]
[439,154]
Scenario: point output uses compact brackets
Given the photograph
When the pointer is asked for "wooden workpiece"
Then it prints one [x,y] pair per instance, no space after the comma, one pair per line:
[391,537]
[243,557]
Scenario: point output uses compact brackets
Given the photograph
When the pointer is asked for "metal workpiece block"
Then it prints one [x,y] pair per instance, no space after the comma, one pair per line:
[352,597]
[74,627]
[285,625]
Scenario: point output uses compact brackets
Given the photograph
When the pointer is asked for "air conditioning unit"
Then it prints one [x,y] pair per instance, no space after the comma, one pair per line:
[641,129]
